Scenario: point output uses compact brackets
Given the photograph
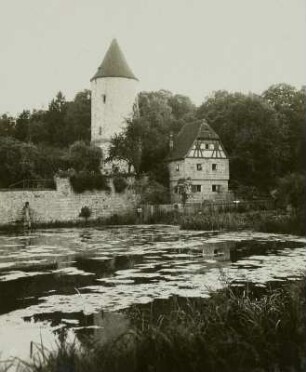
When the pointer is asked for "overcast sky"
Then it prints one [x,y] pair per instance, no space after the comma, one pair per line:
[191,47]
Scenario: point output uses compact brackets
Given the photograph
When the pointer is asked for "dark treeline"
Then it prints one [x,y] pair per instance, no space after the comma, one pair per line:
[263,135]
[62,124]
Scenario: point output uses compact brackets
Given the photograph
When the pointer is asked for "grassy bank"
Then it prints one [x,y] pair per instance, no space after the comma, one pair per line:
[271,221]
[265,221]
[234,330]
[127,219]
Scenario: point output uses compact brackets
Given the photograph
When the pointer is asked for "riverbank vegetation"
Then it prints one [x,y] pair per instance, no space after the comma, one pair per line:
[236,329]
[276,221]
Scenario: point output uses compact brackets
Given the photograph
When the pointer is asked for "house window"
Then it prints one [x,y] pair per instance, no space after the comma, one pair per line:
[214,167]
[215,188]
[175,189]
[206,146]
[177,168]
[195,188]
[100,131]
[104,98]
[199,167]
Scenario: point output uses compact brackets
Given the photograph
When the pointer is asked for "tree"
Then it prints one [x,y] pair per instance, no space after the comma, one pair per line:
[38,128]
[23,132]
[144,143]
[18,161]
[291,191]
[55,121]
[152,192]
[249,129]
[127,145]
[83,157]
[78,118]
[7,126]
[290,105]
[181,106]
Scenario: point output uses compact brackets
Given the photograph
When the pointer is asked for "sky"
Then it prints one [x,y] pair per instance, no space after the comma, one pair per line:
[191,47]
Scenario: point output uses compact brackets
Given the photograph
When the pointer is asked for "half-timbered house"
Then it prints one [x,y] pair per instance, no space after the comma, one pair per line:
[198,164]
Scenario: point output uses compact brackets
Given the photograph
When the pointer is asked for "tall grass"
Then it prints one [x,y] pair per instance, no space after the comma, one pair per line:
[220,220]
[232,331]
[265,221]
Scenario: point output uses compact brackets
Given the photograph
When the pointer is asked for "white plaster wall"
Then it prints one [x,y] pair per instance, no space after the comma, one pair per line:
[62,204]
[205,177]
[120,95]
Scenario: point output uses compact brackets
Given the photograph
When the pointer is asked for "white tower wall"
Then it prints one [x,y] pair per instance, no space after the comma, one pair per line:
[112,102]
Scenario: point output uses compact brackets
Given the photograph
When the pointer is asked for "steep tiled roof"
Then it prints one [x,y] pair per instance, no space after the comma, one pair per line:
[114,64]
[187,135]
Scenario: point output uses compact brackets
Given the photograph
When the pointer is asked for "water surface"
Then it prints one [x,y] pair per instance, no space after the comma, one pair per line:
[78,278]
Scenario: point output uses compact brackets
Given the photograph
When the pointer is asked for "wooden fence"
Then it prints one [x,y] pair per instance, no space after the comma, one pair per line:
[151,211]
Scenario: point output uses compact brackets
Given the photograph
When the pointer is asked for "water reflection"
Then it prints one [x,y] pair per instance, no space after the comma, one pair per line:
[69,278]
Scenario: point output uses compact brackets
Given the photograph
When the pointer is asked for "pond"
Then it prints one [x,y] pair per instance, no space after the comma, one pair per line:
[77,279]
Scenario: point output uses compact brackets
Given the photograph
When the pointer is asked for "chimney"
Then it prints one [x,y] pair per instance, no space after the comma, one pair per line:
[171,141]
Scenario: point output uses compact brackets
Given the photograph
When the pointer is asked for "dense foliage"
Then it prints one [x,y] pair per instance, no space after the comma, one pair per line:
[145,141]
[62,124]
[264,136]
[83,181]
[25,162]
[120,184]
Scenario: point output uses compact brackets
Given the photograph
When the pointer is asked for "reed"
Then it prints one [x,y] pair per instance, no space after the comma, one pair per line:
[234,330]
[264,221]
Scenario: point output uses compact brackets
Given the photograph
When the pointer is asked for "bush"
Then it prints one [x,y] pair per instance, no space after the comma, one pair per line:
[84,181]
[115,219]
[85,213]
[120,184]
[152,192]
[291,191]
[283,224]
[84,157]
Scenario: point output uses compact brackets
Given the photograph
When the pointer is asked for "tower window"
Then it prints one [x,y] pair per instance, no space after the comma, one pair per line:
[177,168]
[199,167]
[214,167]
[100,131]
[104,98]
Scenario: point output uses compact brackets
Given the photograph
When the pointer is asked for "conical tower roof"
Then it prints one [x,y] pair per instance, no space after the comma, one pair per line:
[114,64]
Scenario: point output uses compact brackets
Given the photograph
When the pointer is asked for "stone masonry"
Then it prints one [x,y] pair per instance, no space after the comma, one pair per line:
[63,204]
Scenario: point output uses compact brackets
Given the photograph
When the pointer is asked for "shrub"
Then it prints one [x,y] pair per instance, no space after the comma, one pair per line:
[84,157]
[291,191]
[120,184]
[85,213]
[83,181]
[115,219]
[152,192]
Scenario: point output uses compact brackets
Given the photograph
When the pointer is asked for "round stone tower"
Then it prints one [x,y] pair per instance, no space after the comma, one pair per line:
[113,96]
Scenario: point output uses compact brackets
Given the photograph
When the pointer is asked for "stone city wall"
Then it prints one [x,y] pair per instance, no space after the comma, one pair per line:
[63,204]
